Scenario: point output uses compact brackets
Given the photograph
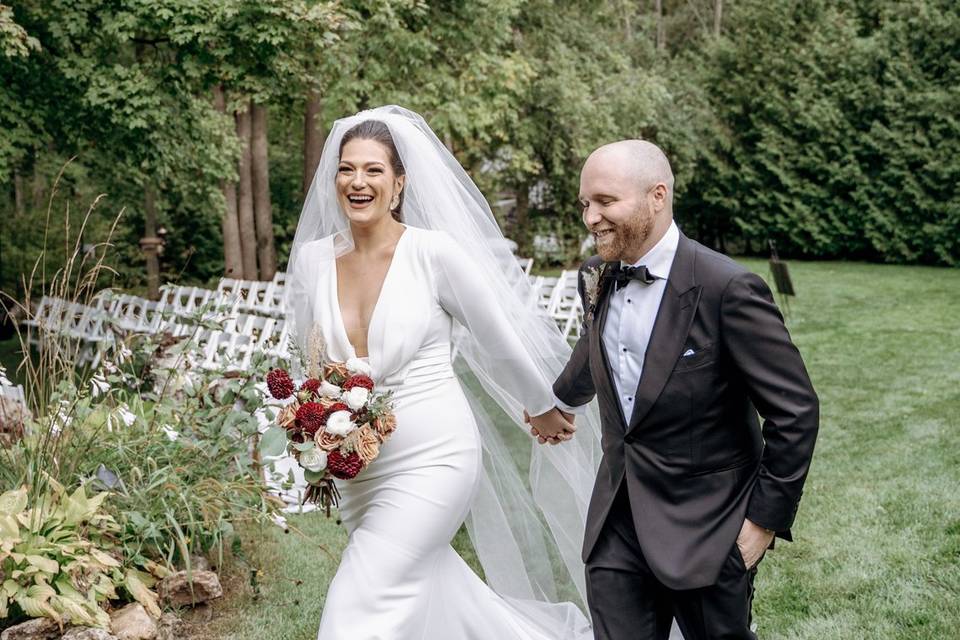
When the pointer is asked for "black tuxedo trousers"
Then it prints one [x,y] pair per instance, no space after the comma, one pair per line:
[693,460]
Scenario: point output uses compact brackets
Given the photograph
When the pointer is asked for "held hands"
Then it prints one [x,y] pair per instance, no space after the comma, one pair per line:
[554,426]
[753,542]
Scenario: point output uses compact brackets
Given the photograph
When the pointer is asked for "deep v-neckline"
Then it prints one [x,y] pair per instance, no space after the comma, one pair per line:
[376,305]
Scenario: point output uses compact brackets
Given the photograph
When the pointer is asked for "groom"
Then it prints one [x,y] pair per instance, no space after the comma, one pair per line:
[684,348]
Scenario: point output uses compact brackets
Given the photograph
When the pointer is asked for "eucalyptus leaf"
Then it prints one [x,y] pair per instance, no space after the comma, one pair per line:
[273,442]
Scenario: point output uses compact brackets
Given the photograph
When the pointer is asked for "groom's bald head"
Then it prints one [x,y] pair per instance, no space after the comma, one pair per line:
[640,160]
[626,194]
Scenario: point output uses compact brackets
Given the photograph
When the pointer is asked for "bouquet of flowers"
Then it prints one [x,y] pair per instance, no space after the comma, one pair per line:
[334,423]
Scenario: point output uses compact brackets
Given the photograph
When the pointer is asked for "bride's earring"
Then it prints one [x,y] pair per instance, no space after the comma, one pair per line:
[394,203]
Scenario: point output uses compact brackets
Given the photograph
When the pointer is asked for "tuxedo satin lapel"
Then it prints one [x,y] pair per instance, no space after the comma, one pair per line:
[596,345]
[670,329]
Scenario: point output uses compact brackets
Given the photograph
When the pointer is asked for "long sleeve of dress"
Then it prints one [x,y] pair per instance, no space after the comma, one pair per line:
[466,294]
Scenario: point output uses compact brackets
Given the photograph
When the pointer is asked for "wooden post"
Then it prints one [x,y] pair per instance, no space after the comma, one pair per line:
[263,211]
[150,243]
[245,216]
[229,224]
[314,136]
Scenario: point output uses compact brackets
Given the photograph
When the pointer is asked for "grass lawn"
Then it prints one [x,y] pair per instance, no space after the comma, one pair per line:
[877,551]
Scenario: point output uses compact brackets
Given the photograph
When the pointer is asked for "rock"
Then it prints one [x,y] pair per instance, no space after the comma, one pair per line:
[35,629]
[133,623]
[87,633]
[13,418]
[170,627]
[175,589]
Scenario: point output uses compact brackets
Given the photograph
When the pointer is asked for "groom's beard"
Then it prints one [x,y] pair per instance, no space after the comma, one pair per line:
[626,237]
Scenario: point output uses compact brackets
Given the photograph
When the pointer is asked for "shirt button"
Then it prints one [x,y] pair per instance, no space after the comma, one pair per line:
[629,399]
[629,301]
[624,349]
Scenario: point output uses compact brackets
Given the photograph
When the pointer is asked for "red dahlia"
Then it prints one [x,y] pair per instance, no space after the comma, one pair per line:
[358,380]
[310,417]
[310,384]
[342,466]
[279,383]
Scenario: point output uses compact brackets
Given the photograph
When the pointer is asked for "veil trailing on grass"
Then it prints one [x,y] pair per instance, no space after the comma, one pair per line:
[525,524]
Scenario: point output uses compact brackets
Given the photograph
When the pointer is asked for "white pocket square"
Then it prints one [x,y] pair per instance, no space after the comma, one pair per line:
[688,353]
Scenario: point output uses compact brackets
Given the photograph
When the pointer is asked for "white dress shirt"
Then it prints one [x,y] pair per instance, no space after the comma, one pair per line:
[630,317]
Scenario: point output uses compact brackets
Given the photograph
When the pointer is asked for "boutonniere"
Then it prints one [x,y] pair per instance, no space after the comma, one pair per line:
[591,286]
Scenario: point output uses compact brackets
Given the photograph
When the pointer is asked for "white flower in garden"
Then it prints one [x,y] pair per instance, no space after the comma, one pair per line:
[356,398]
[126,415]
[329,390]
[340,424]
[313,459]
[98,385]
[124,354]
[4,381]
[356,365]
[280,521]
[171,433]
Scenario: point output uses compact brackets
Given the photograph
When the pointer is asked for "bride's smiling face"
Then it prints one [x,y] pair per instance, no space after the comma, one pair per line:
[367,186]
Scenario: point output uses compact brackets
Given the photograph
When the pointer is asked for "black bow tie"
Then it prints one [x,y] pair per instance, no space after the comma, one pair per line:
[623,275]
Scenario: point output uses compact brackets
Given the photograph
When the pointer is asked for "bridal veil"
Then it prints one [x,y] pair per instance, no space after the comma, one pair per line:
[527,530]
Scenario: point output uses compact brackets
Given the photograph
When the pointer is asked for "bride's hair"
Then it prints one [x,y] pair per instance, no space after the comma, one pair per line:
[378,132]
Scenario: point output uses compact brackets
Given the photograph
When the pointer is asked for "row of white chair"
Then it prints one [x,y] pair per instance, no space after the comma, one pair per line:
[252,313]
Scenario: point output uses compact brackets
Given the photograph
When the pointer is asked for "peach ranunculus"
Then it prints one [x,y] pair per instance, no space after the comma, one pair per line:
[367,444]
[327,441]
[385,425]
[287,415]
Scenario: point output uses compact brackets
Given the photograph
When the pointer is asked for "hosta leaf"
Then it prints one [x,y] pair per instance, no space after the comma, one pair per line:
[43,591]
[10,588]
[13,502]
[37,608]
[76,610]
[44,564]
[96,501]
[77,507]
[105,589]
[158,570]
[141,593]
[104,559]
[65,587]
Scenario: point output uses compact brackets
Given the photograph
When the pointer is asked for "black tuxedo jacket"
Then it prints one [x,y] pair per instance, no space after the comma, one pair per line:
[693,455]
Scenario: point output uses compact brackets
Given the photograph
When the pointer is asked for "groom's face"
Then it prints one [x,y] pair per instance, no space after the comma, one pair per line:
[615,208]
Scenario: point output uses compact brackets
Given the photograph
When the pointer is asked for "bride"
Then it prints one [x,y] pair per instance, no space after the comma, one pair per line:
[398,261]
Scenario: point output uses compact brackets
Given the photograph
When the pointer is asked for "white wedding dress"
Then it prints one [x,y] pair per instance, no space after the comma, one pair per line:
[399,578]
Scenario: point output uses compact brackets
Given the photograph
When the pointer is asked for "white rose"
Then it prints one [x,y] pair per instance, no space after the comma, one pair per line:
[356,398]
[340,424]
[356,365]
[313,459]
[329,390]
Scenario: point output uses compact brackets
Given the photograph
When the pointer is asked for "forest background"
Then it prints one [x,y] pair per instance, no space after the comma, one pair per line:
[829,127]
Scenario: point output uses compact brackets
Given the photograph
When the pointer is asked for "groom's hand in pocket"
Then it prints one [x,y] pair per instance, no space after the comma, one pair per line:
[753,542]
[554,426]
